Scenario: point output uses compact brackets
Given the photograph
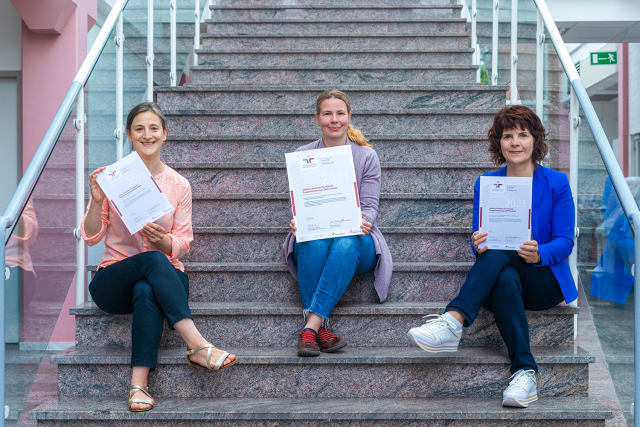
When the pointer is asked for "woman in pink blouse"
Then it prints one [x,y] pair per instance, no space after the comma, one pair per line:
[141,273]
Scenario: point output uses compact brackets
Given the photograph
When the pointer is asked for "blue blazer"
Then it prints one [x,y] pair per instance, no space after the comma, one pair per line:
[552,223]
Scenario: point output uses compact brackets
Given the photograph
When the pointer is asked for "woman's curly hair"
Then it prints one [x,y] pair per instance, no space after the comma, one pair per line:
[514,117]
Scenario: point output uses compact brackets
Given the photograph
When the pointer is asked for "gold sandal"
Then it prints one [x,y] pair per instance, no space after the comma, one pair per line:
[210,348]
[133,389]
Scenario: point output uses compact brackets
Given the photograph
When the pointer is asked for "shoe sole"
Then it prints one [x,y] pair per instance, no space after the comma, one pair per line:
[308,353]
[512,401]
[336,348]
[442,348]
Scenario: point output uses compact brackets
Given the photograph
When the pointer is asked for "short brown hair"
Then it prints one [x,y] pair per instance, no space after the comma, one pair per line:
[513,117]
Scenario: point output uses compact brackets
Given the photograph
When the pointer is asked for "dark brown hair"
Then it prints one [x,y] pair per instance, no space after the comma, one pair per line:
[514,117]
[143,108]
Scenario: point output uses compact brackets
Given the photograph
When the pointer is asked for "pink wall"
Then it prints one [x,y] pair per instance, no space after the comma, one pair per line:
[54,44]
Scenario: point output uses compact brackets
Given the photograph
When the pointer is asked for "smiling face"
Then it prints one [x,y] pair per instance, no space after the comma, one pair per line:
[517,146]
[147,135]
[333,119]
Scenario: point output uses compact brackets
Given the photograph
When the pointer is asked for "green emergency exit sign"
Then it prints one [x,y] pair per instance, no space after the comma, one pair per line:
[602,58]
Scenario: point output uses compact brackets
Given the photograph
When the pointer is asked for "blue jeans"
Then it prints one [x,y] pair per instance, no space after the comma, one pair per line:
[150,287]
[326,267]
[505,284]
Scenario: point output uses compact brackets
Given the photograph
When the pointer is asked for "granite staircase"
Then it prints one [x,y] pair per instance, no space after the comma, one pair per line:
[406,66]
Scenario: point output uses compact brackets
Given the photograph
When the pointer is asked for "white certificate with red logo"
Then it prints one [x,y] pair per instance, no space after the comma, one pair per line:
[324,193]
[134,194]
[505,211]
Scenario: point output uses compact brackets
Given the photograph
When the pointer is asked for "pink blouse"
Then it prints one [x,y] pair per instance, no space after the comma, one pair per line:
[177,224]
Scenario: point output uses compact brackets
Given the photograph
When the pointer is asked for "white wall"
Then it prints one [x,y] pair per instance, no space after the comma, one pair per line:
[10,37]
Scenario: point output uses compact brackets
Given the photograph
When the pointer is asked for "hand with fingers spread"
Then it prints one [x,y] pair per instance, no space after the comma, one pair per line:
[365,226]
[477,238]
[529,252]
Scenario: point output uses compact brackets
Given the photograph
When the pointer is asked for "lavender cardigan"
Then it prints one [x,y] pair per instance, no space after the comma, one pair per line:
[367,168]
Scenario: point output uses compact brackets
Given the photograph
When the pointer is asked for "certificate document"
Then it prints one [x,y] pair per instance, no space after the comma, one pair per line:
[324,193]
[505,211]
[133,192]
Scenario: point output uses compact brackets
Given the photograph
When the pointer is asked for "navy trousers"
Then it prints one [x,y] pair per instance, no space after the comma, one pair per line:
[505,284]
[150,287]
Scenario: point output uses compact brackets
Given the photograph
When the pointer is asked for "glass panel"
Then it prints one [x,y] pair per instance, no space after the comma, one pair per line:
[41,257]
[605,259]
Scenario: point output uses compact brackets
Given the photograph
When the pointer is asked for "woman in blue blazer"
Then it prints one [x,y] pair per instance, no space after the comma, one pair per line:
[537,277]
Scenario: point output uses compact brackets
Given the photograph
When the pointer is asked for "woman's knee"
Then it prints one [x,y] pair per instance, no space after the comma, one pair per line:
[346,245]
[508,284]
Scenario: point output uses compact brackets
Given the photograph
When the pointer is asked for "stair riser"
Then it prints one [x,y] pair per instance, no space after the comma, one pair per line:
[262,3]
[528,77]
[263,247]
[331,77]
[316,60]
[290,381]
[54,248]
[392,213]
[162,60]
[350,43]
[161,42]
[106,100]
[526,32]
[160,29]
[281,287]
[305,124]
[327,14]
[132,76]
[306,100]
[322,423]
[320,29]
[160,15]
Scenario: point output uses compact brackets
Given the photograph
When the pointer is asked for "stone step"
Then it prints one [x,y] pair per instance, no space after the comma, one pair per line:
[136,59]
[138,14]
[389,41]
[369,372]
[136,74]
[338,412]
[346,11]
[160,29]
[334,3]
[300,27]
[396,210]
[395,148]
[161,42]
[362,97]
[371,122]
[268,324]
[328,57]
[246,282]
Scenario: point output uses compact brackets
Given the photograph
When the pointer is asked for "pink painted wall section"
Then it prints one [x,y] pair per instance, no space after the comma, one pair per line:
[623,107]
[54,45]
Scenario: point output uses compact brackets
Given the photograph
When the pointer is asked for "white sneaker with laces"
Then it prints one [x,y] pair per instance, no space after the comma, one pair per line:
[522,389]
[436,335]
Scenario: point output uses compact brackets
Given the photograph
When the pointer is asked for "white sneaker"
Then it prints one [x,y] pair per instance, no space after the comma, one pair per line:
[522,390]
[436,335]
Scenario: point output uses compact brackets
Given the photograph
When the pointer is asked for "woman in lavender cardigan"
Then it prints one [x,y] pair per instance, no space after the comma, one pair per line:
[324,268]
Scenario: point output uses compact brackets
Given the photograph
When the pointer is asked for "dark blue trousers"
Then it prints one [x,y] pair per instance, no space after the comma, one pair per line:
[151,288]
[505,284]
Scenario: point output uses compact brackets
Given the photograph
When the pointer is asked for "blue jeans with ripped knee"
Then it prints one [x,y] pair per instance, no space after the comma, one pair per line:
[326,267]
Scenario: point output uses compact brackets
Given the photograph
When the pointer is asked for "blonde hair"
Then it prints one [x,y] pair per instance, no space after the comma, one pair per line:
[354,134]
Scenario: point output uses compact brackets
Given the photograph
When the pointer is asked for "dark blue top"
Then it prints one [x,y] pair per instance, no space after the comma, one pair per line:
[552,223]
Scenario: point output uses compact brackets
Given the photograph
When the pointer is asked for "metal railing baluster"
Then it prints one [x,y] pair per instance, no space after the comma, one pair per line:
[474,39]
[119,84]
[196,36]
[514,52]
[150,50]
[173,75]
[79,123]
[540,67]
[494,43]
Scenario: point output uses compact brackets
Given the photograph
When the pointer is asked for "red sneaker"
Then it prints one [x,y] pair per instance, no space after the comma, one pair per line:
[328,342]
[308,344]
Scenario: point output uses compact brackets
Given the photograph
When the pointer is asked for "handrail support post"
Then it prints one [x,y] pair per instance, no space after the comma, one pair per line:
[514,52]
[574,123]
[540,66]
[80,259]
[119,84]
[173,12]
[494,43]
[150,50]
